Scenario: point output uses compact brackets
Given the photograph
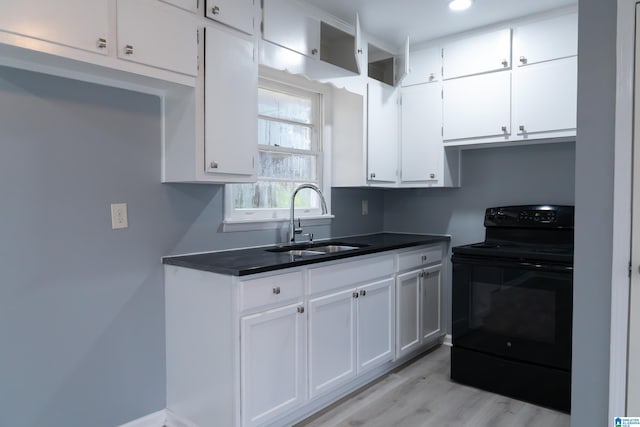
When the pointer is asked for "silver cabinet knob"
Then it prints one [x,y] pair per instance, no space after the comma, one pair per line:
[372,175]
[355,295]
[432,77]
[101,43]
[521,127]
[300,309]
[213,165]
[504,129]
[314,51]
[422,274]
[363,293]
[215,10]
[276,290]
[505,63]
[128,50]
[432,176]
[523,60]
[359,50]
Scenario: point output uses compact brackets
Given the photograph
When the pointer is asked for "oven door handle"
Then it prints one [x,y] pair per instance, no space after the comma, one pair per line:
[512,263]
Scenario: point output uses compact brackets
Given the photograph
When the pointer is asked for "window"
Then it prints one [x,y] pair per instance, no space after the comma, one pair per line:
[290,153]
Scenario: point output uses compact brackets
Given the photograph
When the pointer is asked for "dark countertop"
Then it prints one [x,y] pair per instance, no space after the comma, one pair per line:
[242,262]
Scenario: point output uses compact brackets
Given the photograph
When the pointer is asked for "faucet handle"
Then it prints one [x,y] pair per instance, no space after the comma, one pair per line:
[298,229]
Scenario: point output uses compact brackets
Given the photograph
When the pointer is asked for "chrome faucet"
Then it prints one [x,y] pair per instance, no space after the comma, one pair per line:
[293,230]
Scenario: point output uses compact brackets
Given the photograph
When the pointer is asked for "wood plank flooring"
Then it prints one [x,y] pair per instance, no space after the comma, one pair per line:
[422,395]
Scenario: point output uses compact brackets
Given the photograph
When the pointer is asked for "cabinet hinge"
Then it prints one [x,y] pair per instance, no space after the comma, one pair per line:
[630,268]
[442,131]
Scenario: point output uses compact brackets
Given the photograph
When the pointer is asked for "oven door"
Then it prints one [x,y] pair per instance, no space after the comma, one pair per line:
[513,309]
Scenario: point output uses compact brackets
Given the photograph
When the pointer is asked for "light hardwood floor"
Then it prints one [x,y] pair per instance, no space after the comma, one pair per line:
[422,395]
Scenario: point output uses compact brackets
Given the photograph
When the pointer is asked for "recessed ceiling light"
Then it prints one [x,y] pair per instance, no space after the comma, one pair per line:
[459,5]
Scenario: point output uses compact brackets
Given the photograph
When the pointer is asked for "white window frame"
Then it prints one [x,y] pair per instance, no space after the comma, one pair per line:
[264,219]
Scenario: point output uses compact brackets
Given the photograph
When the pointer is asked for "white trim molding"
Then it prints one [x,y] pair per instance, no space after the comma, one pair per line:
[625,59]
[156,419]
[162,418]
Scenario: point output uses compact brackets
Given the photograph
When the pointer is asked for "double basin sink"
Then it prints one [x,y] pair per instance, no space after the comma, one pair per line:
[319,248]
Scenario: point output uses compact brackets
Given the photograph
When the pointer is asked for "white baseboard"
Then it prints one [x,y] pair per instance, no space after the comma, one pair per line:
[448,340]
[174,420]
[163,418]
[157,419]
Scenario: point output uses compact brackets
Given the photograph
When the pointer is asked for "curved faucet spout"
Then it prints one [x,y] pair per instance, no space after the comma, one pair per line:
[292,227]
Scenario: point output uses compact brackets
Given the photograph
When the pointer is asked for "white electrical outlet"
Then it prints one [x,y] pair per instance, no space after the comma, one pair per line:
[365,207]
[119,216]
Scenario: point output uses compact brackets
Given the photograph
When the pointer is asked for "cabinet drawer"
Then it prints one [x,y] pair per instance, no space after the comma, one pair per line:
[281,288]
[419,258]
[349,273]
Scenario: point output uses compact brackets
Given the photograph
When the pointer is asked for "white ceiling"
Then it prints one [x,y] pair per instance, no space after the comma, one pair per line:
[421,20]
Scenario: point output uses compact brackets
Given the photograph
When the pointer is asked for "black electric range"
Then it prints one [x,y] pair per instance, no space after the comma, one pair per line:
[512,305]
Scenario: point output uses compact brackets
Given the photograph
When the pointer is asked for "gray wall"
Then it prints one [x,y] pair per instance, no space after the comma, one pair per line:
[594,212]
[490,177]
[81,305]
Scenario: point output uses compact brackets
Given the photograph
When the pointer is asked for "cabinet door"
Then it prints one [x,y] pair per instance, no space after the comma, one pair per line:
[272,363]
[287,24]
[238,14]
[78,23]
[168,40]
[401,66]
[382,132]
[477,54]
[545,97]
[425,67]
[546,40]
[332,342]
[375,324]
[431,288]
[422,153]
[407,312]
[477,106]
[231,104]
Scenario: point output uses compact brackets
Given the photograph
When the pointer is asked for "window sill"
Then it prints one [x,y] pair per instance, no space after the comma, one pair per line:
[272,224]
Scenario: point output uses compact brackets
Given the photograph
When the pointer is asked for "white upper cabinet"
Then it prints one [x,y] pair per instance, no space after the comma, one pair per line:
[477,54]
[288,25]
[422,153]
[169,43]
[231,105]
[546,40]
[81,24]
[190,5]
[545,97]
[477,106]
[382,132]
[425,67]
[239,14]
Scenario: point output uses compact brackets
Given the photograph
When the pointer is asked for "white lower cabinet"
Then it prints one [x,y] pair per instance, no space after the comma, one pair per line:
[375,324]
[271,349]
[272,363]
[332,340]
[418,305]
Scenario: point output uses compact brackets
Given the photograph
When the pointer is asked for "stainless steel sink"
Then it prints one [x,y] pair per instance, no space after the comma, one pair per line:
[331,249]
[312,249]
